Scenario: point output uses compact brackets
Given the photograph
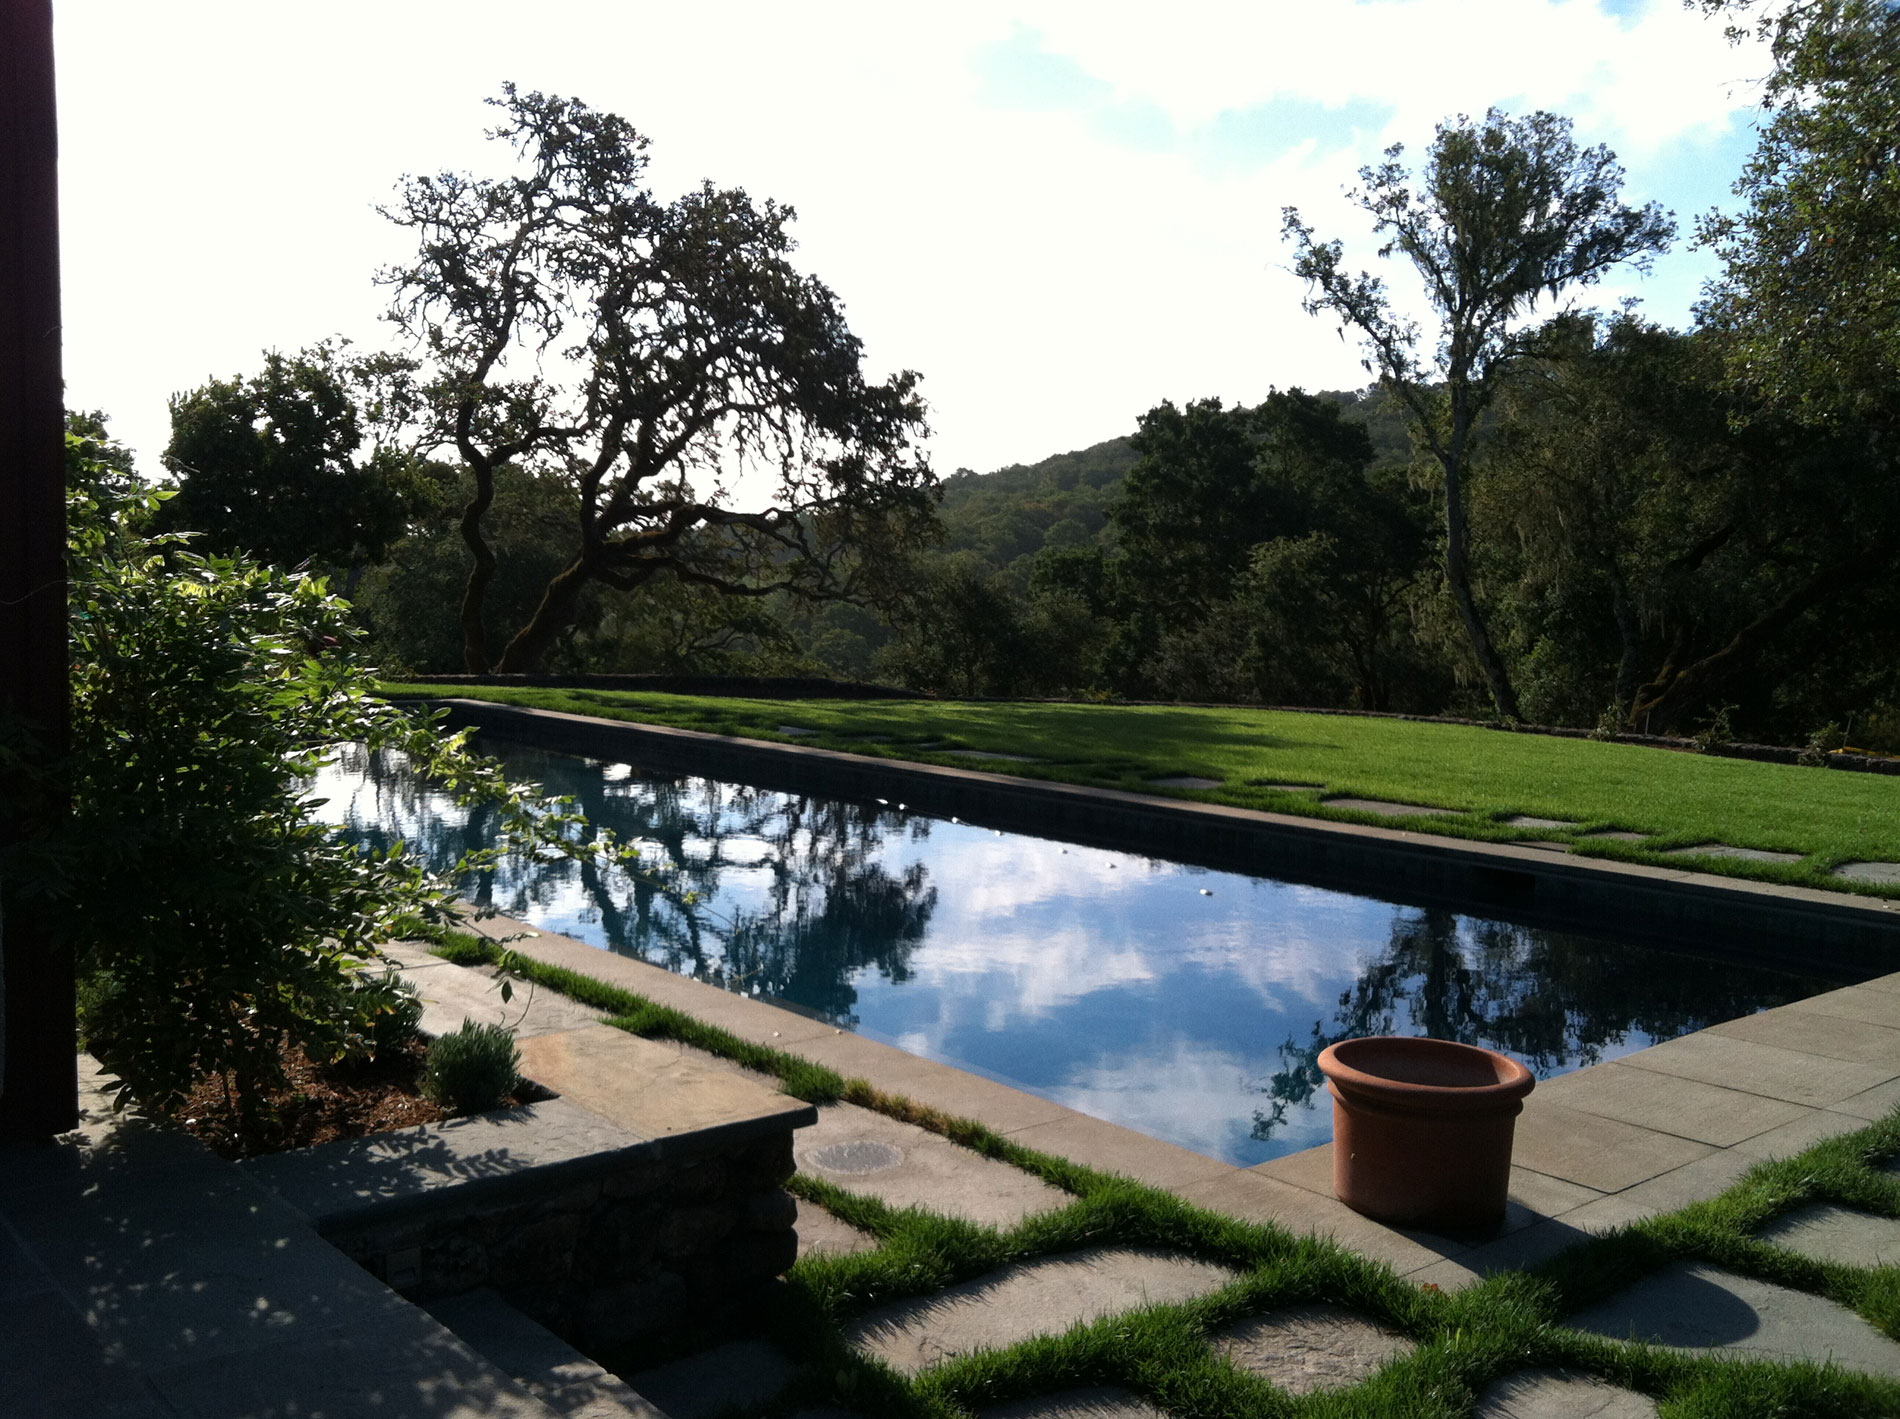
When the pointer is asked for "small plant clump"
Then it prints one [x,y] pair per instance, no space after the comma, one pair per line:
[474,1068]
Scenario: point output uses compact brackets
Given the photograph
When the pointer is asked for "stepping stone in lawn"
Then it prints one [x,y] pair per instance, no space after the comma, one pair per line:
[1747,854]
[822,1234]
[737,1374]
[1531,820]
[1184,781]
[1103,1402]
[906,1166]
[1689,1306]
[795,731]
[1829,1233]
[1389,810]
[989,754]
[1044,1297]
[1616,835]
[1287,787]
[1559,1394]
[1306,1348]
[1888,872]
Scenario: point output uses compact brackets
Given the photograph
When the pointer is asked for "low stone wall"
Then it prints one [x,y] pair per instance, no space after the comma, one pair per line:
[603,1260]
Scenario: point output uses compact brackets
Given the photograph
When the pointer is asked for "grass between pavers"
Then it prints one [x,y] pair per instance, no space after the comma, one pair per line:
[1466,1339]
[1680,799]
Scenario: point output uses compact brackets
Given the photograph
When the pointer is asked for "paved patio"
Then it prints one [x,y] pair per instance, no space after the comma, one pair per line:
[141,1276]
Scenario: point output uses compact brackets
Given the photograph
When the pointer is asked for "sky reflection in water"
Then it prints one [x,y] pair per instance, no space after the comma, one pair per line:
[1186,1003]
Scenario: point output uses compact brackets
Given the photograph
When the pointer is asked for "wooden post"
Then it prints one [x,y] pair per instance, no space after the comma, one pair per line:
[39,1089]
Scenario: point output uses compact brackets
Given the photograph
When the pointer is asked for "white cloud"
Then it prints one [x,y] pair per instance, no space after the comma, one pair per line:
[221,163]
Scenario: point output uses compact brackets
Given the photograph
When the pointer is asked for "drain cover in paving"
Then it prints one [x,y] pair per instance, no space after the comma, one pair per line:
[906,1166]
[1558,1394]
[1035,1298]
[1184,781]
[1304,1348]
[856,1158]
[1100,1403]
[1888,872]
[1389,810]
[1692,1307]
[1830,1233]
[1531,820]
[1747,854]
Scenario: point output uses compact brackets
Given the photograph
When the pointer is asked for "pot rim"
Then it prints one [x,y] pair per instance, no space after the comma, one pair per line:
[1513,1083]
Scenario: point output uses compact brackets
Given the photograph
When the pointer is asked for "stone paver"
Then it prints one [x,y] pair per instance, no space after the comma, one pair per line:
[1689,1108]
[1839,1038]
[1307,1348]
[1866,1003]
[680,1089]
[1043,1297]
[795,731]
[1388,809]
[1888,872]
[1617,835]
[1114,1149]
[1830,1233]
[906,1166]
[550,1369]
[1531,820]
[1559,1394]
[989,754]
[1773,1071]
[1601,1153]
[1184,781]
[451,994]
[1101,1402]
[821,1234]
[729,1376]
[1288,787]
[1747,854]
[1689,1306]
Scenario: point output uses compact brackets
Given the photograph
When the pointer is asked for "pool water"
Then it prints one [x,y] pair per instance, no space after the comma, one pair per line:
[1185,1003]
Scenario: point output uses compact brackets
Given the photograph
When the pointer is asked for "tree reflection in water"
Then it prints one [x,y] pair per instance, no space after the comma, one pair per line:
[1553,1000]
[804,904]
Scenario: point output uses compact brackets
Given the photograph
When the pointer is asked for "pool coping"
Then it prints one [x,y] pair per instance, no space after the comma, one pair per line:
[1600,1148]
[1744,917]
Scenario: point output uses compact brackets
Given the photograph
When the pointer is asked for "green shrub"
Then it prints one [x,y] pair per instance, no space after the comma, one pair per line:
[391,1009]
[474,1068]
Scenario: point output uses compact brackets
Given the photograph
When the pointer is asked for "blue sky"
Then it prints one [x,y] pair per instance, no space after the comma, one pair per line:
[1060,213]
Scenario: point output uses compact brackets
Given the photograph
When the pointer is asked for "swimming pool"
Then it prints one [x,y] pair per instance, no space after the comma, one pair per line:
[1187,1003]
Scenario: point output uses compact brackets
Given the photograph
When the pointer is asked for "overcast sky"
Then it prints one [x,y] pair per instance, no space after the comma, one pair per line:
[1061,214]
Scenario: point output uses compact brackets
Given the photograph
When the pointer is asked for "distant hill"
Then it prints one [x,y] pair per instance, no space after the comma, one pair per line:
[1007,516]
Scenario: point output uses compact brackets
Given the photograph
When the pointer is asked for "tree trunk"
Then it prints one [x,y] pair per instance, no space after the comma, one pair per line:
[1632,641]
[554,615]
[480,573]
[1458,577]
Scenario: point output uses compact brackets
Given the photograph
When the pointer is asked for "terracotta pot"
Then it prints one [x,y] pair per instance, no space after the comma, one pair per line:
[1422,1129]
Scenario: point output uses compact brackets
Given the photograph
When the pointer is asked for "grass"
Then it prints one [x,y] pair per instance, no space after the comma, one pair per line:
[1679,799]
[1465,1340]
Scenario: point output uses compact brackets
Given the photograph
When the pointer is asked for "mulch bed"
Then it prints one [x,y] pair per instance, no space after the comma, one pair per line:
[320,1103]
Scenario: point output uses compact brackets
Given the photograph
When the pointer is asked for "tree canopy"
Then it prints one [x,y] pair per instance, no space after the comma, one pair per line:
[649,354]
[269,466]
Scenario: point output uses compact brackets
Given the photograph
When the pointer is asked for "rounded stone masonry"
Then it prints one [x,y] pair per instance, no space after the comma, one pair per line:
[1422,1129]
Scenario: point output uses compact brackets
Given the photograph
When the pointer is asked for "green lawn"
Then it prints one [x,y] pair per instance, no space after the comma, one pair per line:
[1680,800]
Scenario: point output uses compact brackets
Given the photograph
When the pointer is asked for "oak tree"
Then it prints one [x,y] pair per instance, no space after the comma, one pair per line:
[660,357]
